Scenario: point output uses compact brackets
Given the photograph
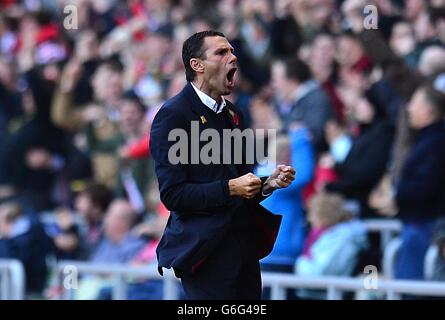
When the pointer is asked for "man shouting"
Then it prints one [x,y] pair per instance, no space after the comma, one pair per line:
[217,231]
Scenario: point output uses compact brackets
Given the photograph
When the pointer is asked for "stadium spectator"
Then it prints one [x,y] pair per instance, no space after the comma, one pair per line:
[334,242]
[295,149]
[323,65]
[419,193]
[255,44]
[300,98]
[351,56]
[360,168]
[118,245]
[135,175]
[101,116]
[402,42]
[91,204]
[65,235]
[22,237]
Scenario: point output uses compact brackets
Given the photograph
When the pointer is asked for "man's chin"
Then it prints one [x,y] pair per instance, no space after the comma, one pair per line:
[228,89]
[226,92]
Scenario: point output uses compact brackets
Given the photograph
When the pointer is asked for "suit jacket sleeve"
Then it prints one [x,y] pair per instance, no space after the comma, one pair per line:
[177,193]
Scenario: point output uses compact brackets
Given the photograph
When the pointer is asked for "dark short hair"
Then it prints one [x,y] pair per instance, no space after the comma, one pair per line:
[193,48]
[130,95]
[297,69]
[99,195]
[113,63]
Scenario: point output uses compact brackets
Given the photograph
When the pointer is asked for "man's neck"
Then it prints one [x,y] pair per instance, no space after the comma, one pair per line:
[201,86]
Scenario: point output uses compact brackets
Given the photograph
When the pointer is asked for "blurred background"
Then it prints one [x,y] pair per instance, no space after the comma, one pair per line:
[359,110]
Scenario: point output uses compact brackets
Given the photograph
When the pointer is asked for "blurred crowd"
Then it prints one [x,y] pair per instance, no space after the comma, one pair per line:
[359,113]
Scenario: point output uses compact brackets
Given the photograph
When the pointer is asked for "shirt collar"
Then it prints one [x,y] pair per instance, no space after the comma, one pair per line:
[305,88]
[209,101]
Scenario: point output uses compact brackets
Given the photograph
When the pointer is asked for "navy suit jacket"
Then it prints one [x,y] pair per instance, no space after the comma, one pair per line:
[197,195]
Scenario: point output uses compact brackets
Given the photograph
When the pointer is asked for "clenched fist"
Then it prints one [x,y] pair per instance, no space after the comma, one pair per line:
[246,186]
[282,177]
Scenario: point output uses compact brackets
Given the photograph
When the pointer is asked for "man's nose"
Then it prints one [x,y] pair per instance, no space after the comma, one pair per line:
[233,59]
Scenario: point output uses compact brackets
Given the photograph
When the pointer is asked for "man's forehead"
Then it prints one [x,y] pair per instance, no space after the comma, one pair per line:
[217,42]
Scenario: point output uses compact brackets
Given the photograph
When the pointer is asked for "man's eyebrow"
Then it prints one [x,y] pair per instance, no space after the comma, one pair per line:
[221,49]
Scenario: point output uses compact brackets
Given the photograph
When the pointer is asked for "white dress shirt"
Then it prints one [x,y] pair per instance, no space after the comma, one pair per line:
[209,101]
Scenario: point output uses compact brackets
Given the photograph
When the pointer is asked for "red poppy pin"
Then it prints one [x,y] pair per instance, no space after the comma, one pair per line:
[235,118]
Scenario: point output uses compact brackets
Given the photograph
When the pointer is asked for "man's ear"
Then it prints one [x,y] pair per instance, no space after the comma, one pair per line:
[197,65]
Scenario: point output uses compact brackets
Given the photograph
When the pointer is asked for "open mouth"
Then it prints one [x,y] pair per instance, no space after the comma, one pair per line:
[231,76]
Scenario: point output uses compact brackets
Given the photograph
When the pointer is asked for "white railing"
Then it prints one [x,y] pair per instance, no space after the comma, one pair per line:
[278,282]
[391,253]
[431,257]
[390,257]
[12,280]
[336,285]
[119,273]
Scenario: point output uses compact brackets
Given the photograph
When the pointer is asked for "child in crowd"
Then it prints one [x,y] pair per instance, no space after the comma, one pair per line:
[334,242]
